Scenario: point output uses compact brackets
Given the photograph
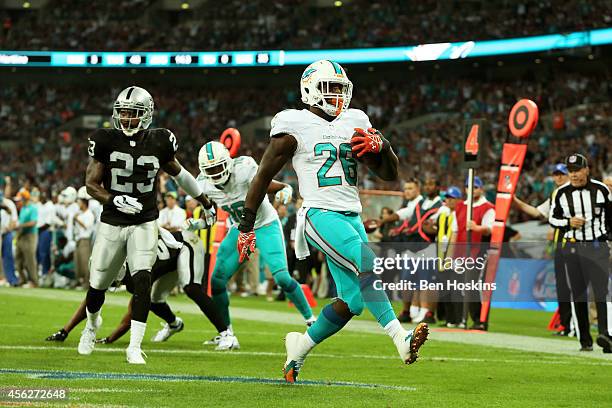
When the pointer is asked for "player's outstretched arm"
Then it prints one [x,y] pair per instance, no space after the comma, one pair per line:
[93,181]
[186,181]
[279,151]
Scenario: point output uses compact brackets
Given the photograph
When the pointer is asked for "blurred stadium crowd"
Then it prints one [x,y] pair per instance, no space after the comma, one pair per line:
[260,24]
[574,109]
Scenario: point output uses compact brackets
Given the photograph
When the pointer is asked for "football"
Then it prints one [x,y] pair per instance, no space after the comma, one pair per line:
[369,159]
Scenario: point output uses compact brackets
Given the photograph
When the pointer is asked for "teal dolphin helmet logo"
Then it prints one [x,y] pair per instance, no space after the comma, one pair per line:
[308,73]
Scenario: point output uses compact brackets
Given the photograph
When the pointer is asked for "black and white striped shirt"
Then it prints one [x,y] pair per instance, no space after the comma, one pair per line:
[593,202]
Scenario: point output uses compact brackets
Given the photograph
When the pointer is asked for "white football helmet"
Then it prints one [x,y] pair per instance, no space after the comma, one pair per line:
[316,87]
[68,195]
[140,102]
[82,194]
[215,162]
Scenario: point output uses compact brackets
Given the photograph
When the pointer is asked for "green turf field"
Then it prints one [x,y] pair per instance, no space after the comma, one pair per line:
[358,367]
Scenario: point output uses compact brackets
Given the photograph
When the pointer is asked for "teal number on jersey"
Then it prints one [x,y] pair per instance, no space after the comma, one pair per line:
[324,180]
[234,210]
[349,165]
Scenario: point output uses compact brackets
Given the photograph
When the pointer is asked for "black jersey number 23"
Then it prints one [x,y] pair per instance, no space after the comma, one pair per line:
[126,170]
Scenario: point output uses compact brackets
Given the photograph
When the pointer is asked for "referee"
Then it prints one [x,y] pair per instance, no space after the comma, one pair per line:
[542,211]
[582,209]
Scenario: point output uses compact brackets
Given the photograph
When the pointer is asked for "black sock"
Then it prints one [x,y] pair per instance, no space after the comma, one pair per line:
[206,305]
[94,299]
[164,312]
[141,302]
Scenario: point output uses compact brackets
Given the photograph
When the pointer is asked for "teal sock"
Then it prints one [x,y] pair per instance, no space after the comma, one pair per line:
[328,323]
[376,300]
[221,301]
[296,295]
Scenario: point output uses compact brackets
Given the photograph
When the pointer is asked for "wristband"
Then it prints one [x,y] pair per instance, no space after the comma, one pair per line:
[247,220]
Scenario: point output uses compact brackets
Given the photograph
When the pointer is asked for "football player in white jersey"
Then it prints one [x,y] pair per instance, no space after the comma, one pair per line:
[326,142]
[226,181]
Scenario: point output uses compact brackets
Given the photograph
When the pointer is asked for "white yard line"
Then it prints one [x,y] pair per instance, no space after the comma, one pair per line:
[487,339]
[105,349]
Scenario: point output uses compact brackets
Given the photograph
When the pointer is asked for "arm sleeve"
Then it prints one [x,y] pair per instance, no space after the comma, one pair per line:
[188,183]
[556,217]
[455,226]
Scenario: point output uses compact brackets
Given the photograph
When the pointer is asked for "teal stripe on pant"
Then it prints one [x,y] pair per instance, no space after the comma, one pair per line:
[341,237]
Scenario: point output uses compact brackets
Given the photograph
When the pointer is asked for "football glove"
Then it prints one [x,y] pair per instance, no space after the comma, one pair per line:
[246,245]
[285,195]
[209,216]
[367,141]
[127,204]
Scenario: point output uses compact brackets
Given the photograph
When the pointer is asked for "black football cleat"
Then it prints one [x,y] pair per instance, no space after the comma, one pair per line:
[605,342]
[59,335]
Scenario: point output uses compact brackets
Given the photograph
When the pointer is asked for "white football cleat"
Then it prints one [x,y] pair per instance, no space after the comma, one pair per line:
[167,331]
[87,341]
[311,320]
[135,355]
[295,357]
[408,347]
[227,342]
[213,342]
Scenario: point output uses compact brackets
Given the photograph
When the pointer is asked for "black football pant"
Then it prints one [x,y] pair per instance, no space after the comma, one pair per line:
[563,291]
[589,262]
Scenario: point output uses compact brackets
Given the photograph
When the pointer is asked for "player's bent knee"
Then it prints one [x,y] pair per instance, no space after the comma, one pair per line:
[344,308]
[142,283]
[355,304]
[193,290]
[285,281]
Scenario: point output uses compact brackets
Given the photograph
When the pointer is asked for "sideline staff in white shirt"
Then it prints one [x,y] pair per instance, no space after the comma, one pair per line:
[172,217]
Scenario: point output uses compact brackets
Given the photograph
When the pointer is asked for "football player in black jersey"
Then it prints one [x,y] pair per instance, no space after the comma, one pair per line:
[122,175]
[180,261]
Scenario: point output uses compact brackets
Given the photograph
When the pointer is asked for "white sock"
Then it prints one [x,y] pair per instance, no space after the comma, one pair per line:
[230,329]
[395,330]
[92,319]
[414,312]
[306,344]
[421,314]
[137,332]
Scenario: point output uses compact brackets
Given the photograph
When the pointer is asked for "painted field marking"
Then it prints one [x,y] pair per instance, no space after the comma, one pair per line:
[77,375]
